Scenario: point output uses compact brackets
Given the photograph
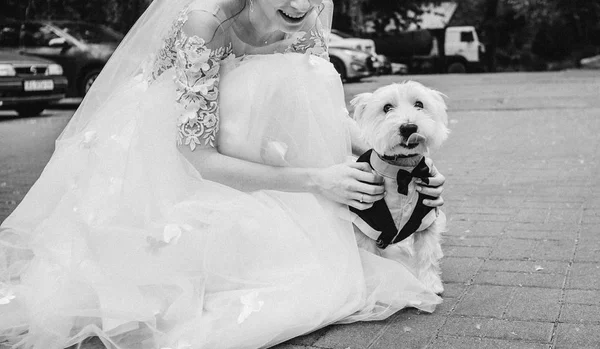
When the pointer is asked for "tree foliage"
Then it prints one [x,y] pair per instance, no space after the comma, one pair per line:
[119,14]
[513,30]
[519,33]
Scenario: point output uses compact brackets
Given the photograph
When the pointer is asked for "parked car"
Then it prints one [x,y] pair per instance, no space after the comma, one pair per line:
[28,84]
[381,64]
[82,49]
[350,63]
[591,62]
[340,39]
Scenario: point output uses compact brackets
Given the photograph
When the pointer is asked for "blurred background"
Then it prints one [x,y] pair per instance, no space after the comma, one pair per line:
[44,42]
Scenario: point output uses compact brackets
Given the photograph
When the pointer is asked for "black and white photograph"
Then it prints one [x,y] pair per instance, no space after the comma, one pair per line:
[300,174]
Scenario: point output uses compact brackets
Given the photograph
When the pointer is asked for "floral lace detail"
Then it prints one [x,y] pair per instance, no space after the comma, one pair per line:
[165,58]
[311,42]
[197,79]
[197,82]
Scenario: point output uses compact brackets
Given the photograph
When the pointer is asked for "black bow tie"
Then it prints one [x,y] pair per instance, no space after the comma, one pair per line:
[403,177]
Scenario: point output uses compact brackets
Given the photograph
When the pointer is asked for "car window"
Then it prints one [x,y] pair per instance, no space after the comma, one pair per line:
[9,35]
[466,37]
[36,35]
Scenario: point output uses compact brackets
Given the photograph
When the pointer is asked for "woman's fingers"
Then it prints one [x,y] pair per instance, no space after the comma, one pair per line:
[438,202]
[365,173]
[437,179]
[359,205]
[367,188]
[430,191]
[367,198]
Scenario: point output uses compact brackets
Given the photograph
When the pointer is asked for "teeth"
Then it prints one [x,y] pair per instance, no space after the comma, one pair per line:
[292,16]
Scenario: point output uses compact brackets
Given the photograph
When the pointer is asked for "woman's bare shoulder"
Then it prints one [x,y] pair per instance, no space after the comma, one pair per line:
[220,8]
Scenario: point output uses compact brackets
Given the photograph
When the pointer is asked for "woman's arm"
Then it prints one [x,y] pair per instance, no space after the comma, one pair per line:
[200,51]
[344,183]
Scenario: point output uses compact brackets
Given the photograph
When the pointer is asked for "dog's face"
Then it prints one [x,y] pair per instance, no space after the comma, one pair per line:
[402,119]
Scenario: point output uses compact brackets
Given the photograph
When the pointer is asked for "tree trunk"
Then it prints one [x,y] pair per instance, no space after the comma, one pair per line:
[490,25]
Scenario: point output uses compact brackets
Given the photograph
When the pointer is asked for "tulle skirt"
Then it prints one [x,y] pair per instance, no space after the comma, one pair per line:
[123,239]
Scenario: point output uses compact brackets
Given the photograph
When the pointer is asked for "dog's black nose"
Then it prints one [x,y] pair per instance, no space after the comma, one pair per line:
[407,129]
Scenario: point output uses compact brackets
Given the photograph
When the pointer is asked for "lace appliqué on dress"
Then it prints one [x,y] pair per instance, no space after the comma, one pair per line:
[197,82]
[311,42]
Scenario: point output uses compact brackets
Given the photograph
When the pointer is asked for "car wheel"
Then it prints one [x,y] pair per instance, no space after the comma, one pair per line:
[88,81]
[339,66]
[457,68]
[31,110]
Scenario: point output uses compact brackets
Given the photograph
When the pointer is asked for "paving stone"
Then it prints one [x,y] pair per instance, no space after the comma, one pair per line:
[487,228]
[587,251]
[489,217]
[453,289]
[580,313]
[560,250]
[546,226]
[469,241]
[447,306]
[409,331]
[542,234]
[532,215]
[290,346]
[519,279]
[460,270]
[514,249]
[458,228]
[461,251]
[484,301]
[569,216]
[482,343]
[534,249]
[590,233]
[580,336]
[358,335]
[584,276]
[582,297]
[308,339]
[536,304]
[484,209]
[538,267]
[500,329]
[590,219]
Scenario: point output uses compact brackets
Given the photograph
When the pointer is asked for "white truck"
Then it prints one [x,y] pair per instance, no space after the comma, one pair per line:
[444,50]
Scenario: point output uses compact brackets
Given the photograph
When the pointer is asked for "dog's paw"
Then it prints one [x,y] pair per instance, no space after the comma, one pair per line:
[437,287]
[433,283]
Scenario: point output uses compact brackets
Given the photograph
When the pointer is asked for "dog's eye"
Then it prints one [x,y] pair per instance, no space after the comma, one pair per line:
[419,104]
[387,108]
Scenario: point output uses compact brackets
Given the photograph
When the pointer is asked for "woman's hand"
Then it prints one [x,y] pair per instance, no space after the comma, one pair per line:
[434,188]
[351,184]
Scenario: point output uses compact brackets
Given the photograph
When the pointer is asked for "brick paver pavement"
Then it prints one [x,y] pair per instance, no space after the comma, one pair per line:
[522,253]
[523,248]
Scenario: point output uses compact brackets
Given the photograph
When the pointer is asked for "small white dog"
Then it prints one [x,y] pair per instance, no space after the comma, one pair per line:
[402,122]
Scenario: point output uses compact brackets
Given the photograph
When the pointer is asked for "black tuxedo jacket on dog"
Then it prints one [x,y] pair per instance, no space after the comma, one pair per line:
[379,217]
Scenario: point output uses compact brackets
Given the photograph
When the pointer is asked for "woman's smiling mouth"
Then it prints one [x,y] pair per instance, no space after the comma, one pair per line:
[292,18]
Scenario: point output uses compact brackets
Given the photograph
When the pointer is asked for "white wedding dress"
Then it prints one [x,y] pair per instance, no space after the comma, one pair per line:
[122,238]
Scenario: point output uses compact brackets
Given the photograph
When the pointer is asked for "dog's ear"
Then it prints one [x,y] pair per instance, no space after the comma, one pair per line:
[440,97]
[359,102]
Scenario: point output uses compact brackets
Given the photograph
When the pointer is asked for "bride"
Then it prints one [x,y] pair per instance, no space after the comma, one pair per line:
[197,199]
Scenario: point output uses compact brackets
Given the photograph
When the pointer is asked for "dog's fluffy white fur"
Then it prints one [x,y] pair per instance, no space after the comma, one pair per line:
[380,115]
